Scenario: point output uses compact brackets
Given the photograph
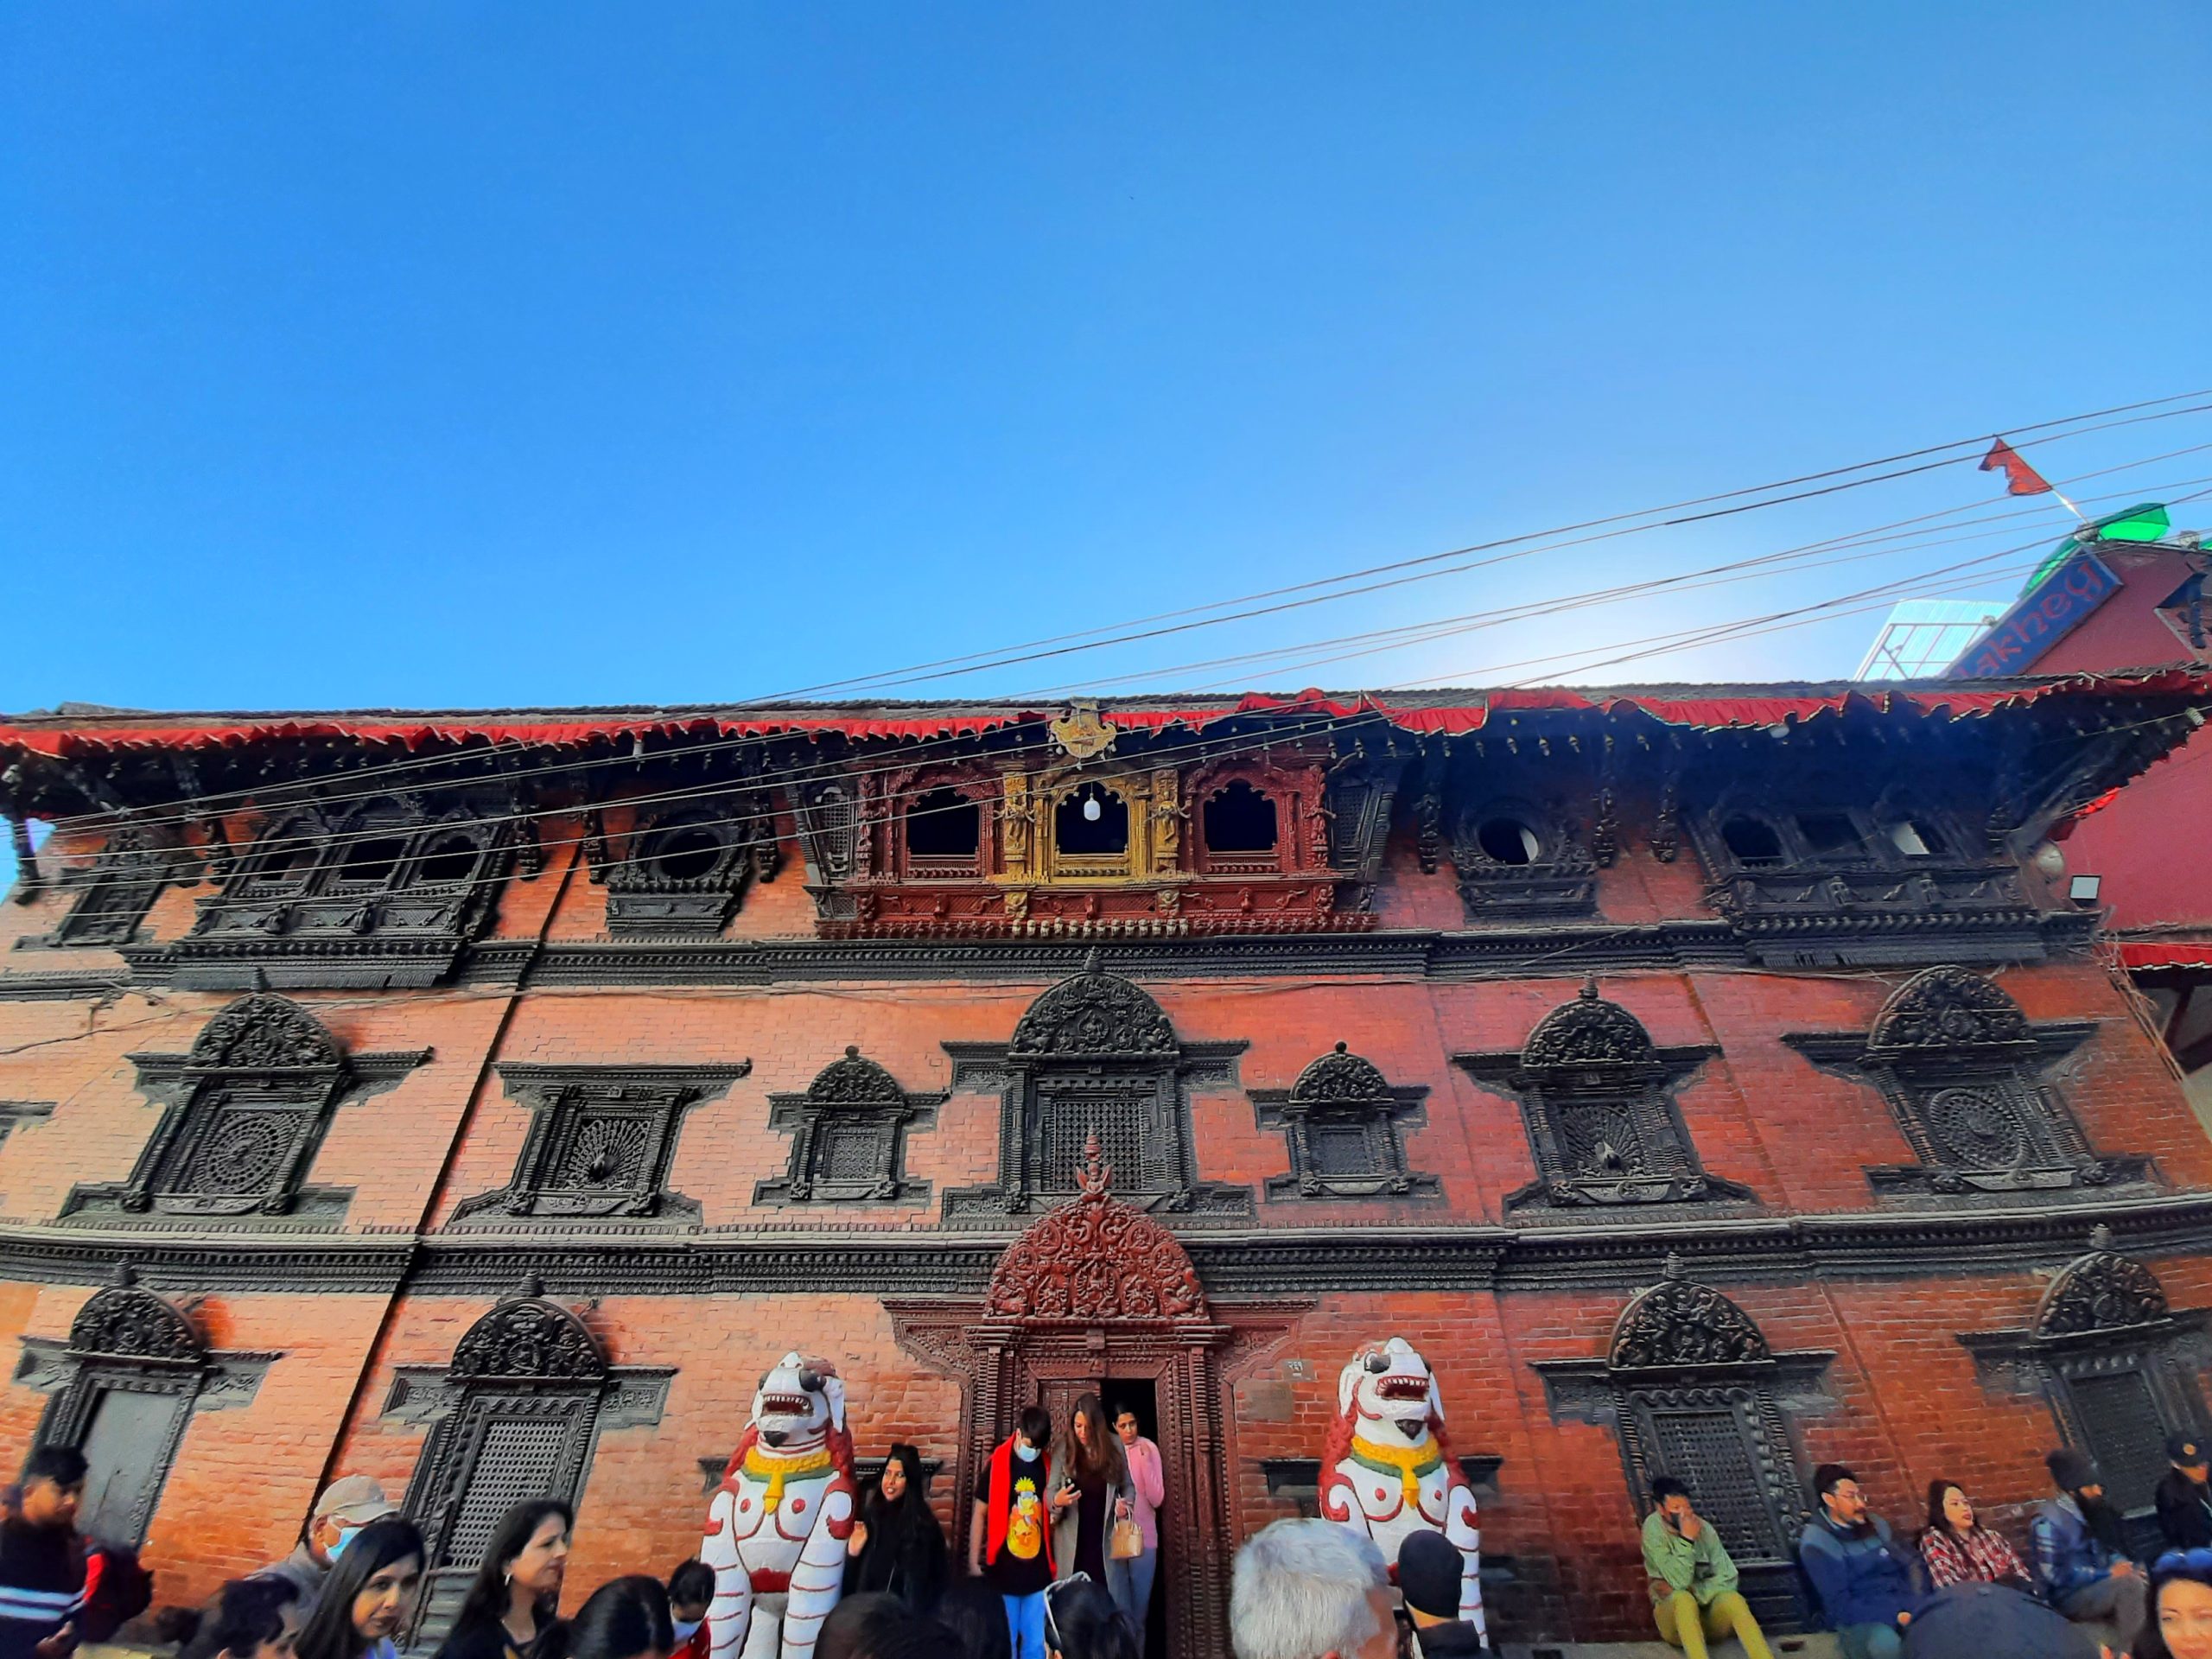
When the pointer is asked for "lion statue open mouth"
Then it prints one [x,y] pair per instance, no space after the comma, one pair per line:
[777,1528]
[1388,1470]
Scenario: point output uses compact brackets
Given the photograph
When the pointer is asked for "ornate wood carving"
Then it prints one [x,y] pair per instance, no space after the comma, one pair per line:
[1344,1126]
[113,896]
[1095,1259]
[1678,1323]
[1963,1069]
[685,868]
[2101,1291]
[244,1113]
[127,1323]
[528,1337]
[1093,1053]
[1598,1099]
[849,1134]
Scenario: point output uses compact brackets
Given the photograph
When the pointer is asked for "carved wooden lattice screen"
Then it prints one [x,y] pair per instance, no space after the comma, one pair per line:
[1120,1122]
[1712,1450]
[2120,1417]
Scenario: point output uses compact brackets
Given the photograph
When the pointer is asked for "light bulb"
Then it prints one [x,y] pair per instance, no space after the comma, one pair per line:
[1090,808]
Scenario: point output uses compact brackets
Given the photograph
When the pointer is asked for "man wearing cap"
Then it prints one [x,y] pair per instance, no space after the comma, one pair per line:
[346,1506]
[1429,1566]
[2082,1560]
[2185,1495]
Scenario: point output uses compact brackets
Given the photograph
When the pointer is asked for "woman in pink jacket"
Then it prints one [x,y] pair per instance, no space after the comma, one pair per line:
[1131,1581]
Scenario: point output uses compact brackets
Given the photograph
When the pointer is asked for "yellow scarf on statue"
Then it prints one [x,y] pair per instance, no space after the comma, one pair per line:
[765,1466]
[1411,1462]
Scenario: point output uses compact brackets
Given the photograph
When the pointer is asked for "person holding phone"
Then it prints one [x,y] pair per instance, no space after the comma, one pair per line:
[1088,1479]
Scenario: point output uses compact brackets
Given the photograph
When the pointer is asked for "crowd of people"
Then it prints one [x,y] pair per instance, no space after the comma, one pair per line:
[1061,1566]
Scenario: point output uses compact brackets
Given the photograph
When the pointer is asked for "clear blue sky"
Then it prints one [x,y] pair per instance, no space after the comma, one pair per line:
[462,354]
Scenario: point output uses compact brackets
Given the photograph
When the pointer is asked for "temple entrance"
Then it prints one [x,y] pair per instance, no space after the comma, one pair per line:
[1141,1396]
[1098,1296]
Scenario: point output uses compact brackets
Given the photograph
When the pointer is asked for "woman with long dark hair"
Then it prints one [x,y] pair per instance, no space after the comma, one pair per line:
[1958,1549]
[1087,1478]
[896,1545]
[2180,1625]
[624,1618]
[368,1600]
[516,1595]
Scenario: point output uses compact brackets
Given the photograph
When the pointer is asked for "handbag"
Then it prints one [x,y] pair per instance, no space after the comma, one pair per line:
[1127,1541]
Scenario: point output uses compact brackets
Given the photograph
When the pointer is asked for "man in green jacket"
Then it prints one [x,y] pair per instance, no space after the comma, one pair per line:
[1693,1592]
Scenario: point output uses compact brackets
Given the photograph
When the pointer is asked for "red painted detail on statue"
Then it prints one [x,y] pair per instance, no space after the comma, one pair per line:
[766,1582]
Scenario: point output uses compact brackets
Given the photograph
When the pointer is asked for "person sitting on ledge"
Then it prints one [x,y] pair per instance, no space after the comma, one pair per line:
[1865,1587]
[1693,1581]
[2082,1559]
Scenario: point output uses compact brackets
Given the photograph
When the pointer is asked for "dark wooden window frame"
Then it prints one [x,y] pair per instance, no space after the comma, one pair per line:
[849,1098]
[1591,1054]
[1341,1091]
[643,902]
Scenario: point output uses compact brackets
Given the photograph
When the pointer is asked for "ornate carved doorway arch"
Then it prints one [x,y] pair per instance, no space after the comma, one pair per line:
[1097,1290]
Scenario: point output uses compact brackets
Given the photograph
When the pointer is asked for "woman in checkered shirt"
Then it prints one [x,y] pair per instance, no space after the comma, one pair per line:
[1959,1552]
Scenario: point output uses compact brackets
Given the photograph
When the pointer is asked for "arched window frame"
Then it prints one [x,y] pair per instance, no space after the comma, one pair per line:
[643,902]
[853,1104]
[1559,882]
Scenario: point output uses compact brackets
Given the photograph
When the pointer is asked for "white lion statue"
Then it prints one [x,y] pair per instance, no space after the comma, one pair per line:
[1387,1471]
[777,1528]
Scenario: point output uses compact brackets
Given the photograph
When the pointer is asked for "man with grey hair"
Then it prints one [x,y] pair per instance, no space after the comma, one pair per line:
[1311,1590]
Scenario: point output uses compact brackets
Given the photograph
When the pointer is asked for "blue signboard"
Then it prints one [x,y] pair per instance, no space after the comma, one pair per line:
[2046,613]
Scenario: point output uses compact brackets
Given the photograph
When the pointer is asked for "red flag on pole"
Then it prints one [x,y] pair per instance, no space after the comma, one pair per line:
[2020,479]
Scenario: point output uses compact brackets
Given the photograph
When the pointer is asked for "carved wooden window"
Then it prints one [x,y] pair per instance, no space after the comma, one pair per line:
[944,835]
[684,873]
[115,895]
[1598,1099]
[1692,1389]
[243,1115]
[1344,1126]
[383,895]
[122,1391]
[1963,1070]
[848,1137]
[602,1140]
[1092,822]
[1240,830]
[2118,1366]
[1518,861]
[526,1384]
[1095,1055]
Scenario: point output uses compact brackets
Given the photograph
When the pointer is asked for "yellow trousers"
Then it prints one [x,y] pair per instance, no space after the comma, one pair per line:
[1684,1624]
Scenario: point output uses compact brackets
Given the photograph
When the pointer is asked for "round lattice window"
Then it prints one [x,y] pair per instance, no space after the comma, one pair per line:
[606,1152]
[246,1154]
[1980,1129]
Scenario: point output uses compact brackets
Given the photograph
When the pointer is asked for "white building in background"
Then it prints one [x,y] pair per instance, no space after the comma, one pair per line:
[1923,637]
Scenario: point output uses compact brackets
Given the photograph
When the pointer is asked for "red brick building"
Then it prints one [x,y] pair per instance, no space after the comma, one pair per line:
[1703,1079]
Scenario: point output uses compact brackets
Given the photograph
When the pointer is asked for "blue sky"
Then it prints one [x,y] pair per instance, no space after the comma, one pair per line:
[461,354]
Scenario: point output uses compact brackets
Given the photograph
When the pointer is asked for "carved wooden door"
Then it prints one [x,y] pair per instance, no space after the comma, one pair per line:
[126,1448]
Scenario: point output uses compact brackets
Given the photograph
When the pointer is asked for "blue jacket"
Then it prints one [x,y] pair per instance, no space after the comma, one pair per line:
[1861,1580]
[2069,1557]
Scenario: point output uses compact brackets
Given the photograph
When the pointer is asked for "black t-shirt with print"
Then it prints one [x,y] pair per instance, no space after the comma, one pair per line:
[1020,1568]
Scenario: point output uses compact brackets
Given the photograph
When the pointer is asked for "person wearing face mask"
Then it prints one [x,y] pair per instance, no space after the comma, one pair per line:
[511,1605]
[1010,1541]
[691,1592]
[896,1545]
[344,1508]
[368,1601]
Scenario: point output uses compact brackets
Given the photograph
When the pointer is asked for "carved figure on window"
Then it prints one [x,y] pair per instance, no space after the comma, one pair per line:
[2101,1291]
[686,871]
[1095,1259]
[776,1531]
[1387,1471]
[528,1337]
[1678,1323]
[1597,1096]
[1094,1013]
[126,1322]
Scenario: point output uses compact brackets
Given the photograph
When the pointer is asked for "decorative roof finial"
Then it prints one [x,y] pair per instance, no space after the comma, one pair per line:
[852,1051]
[530,1289]
[1672,1268]
[124,1276]
[2100,1236]
[1341,1049]
[1091,963]
[1097,1174]
[1589,992]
